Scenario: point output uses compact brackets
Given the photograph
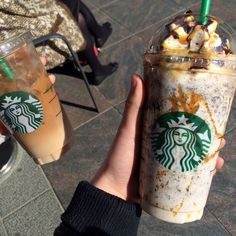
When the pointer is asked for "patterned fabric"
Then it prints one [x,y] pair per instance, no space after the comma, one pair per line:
[41,17]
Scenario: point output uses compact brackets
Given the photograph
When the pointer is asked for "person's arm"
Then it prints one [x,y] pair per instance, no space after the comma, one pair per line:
[107,205]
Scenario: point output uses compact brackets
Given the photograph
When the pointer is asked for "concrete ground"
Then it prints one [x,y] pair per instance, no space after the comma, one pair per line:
[33,197]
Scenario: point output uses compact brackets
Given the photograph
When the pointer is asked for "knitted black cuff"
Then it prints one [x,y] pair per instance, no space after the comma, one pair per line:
[96,212]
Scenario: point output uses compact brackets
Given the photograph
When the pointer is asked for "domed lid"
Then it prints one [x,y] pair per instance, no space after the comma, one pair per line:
[185,33]
[185,43]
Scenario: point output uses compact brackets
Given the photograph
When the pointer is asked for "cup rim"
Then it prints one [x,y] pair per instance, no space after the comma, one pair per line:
[14,42]
[194,61]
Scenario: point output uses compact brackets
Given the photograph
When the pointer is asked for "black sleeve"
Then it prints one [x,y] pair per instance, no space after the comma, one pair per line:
[95,212]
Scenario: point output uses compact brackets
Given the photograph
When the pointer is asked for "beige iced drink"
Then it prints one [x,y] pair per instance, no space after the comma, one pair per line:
[189,74]
[30,107]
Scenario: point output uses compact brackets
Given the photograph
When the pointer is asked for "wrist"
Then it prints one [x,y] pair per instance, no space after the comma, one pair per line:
[106,184]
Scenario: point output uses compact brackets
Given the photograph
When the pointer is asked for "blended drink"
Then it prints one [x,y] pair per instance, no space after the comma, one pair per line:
[29,105]
[189,74]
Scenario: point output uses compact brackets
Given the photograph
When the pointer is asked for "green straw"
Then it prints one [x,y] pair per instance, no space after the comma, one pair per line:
[205,9]
[6,69]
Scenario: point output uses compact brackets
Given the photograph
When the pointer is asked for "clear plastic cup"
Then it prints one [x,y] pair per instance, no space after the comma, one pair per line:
[188,101]
[29,105]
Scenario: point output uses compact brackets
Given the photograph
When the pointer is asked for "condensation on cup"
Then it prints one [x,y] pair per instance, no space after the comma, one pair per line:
[190,81]
[29,105]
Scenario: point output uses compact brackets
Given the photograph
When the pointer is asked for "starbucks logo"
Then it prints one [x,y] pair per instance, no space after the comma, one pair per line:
[21,111]
[180,141]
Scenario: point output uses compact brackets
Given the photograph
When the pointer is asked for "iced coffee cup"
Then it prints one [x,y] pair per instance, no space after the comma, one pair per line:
[29,105]
[190,80]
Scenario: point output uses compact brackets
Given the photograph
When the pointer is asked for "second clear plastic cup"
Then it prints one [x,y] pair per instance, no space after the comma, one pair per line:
[29,105]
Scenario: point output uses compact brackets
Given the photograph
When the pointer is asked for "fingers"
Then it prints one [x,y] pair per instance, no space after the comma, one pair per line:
[222,144]
[43,60]
[51,76]
[219,163]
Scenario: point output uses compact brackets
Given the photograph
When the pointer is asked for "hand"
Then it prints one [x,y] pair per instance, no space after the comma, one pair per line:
[119,172]
[3,129]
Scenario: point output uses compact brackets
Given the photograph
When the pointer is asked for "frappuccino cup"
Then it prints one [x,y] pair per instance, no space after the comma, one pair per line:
[190,80]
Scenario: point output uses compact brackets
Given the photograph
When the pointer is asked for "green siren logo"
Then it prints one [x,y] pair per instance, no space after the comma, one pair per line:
[180,141]
[21,111]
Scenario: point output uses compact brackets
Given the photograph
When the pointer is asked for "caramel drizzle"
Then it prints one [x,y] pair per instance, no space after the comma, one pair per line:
[212,156]
[218,135]
[178,208]
[190,103]
[180,205]
[180,102]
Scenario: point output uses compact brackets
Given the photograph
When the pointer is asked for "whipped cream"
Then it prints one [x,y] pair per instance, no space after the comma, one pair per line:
[193,37]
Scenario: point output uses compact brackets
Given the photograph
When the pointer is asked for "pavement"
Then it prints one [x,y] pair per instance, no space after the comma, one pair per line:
[33,197]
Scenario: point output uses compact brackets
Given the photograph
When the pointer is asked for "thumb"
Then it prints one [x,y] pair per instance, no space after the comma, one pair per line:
[133,107]
[129,130]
